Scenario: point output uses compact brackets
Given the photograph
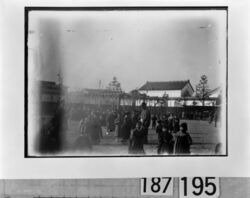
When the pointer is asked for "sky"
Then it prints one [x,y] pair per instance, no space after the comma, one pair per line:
[87,47]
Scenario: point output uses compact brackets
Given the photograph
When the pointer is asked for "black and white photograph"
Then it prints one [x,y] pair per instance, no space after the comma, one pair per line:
[126,81]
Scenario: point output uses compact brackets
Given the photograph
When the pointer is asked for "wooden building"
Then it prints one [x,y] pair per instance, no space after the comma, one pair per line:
[167,88]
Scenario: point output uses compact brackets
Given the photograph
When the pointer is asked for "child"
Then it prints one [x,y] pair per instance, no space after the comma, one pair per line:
[182,140]
[136,143]
[165,144]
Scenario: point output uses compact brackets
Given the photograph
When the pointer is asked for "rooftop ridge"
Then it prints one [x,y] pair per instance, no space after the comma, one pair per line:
[167,81]
[165,85]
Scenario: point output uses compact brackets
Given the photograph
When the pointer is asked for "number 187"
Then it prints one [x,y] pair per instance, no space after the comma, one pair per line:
[157,185]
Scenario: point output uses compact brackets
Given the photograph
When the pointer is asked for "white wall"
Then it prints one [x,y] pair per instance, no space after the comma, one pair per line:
[153,93]
[187,88]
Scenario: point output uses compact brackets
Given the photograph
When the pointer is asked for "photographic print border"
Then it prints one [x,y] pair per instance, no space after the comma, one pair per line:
[108,8]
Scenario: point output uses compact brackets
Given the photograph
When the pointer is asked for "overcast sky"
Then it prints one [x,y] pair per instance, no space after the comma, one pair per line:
[135,46]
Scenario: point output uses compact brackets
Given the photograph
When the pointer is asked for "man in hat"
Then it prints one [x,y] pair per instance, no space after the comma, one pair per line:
[145,119]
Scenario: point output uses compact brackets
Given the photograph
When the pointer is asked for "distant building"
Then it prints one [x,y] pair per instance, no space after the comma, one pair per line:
[167,88]
[215,93]
[93,97]
[50,96]
[50,91]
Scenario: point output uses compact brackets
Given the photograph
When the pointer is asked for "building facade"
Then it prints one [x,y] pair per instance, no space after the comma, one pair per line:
[50,94]
[167,88]
[93,97]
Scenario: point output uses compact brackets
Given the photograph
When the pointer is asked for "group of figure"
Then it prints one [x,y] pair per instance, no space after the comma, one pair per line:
[115,123]
[129,127]
[177,142]
[90,130]
[173,137]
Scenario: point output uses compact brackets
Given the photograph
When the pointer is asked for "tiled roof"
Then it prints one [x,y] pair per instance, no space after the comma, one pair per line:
[218,89]
[164,85]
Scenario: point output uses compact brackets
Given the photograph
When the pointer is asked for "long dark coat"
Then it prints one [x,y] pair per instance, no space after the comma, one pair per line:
[136,143]
[126,127]
[165,143]
[182,143]
[96,130]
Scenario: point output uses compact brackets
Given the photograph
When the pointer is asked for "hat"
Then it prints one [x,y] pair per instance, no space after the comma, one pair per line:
[184,126]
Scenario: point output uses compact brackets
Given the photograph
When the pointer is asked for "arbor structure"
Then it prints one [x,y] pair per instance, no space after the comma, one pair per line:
[202,89]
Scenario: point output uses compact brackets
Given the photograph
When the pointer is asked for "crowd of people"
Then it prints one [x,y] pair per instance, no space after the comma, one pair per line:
[172,137]
[117,123]
[127,127]
[131,128]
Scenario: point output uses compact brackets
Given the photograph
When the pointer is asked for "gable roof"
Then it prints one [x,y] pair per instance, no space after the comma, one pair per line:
[165,85]
[218,89]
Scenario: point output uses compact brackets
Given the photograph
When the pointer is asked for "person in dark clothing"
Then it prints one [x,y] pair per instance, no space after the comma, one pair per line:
[165,143]
[176,124]
[171,123]
[95,129]
[137,140]
[120,132]
[145,119]
[99,121]
[126,127]
[92,128]
[159,130]
[135,119]
[182,140]
[87,126]
[102,119]
[154,119]
[118,123]
[83,142]
[165,121]
[111,122]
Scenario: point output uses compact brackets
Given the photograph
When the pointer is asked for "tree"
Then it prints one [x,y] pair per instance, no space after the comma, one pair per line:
[202,89]
[135,95]
[114,85]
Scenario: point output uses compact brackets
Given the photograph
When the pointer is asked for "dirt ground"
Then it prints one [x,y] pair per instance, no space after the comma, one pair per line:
[205,136]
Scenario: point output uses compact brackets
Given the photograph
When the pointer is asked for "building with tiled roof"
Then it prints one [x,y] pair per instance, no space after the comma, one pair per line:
[167,88]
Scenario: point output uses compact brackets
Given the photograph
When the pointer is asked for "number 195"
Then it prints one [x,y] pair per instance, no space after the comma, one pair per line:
[198,186]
